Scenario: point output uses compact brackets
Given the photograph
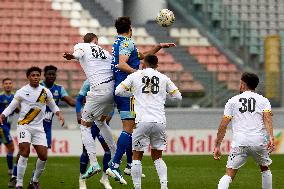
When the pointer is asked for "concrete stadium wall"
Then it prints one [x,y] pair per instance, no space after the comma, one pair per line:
[177,119]
[181,119]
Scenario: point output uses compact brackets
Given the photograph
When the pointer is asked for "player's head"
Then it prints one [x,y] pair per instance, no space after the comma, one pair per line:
[249,81]
[90,38]
[123,25]
[151,61]
[50,74]
[7,85]
[33,74]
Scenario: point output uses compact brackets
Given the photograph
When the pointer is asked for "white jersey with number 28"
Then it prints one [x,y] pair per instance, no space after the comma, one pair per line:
[246,111]
[150,89]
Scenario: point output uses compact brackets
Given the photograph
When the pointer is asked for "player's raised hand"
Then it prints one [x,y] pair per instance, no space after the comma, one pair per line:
[217,153]
[68,56]
[167,45]
[271,144]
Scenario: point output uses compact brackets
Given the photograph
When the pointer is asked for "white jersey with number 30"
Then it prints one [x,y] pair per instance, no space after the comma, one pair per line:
[95,61]
[246,111]
[150,88]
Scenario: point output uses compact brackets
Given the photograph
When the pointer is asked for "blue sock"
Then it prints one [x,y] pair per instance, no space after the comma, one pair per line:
[129,152]
[122,144]
[106,159]
[15,170]
[84,160]
[10,160]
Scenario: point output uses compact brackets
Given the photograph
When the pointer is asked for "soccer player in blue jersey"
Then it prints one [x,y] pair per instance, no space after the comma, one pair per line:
[58,93]
[5,98]
[126,60]
[84,159]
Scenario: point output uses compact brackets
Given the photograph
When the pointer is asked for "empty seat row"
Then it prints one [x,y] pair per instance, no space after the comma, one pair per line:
[21,65]
[221,68]
[212,59]
[50,39]
[34,47]
[184,32]
[17,21]
[201,50]
[39,30]
[36,5]
[194,41]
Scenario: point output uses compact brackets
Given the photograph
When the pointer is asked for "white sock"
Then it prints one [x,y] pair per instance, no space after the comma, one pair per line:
[136,172]
[266,179]
[21,168]
[40,165]
[224,182]
[161,168]
[89,144]
[104,176]
[106,133]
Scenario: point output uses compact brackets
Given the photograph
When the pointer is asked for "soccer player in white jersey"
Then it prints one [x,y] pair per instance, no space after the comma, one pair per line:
[32,100]
[251,117]
[96,63]
[150,89]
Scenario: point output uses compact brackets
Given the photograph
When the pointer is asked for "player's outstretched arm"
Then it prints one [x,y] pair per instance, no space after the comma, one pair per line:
[156,48]
[10,109]
[68,56]
[267,119]
[123,65]
[220,135]
[69,100]
[123,90]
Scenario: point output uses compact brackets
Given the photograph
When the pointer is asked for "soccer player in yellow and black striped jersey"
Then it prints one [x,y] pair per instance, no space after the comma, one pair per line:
[32,100]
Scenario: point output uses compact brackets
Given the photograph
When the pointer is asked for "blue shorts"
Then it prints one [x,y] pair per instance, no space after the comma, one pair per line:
[5,136]
[47,129]
[125,106]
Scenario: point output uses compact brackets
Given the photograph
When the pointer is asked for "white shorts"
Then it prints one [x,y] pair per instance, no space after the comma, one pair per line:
[32,134]
[149,133]
[238,156]
[99,102]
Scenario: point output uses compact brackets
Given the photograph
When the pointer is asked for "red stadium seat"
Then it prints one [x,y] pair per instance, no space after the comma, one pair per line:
[212,67]
[202,59]
[212,59]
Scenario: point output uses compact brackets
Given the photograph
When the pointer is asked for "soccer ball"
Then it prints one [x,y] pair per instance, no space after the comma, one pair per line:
[165,18]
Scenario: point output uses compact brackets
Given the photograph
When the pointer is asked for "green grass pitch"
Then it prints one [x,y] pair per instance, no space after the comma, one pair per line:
[184,172]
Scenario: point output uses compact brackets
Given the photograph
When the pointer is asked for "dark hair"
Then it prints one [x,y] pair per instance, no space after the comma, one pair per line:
[122,24]
[89,37]
[31,69]
[50,67]
[6,79]
[151,60]
[250,79]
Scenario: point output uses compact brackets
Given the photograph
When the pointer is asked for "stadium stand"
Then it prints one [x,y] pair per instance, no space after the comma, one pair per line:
[38,32]
[32,33]
[241,25]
